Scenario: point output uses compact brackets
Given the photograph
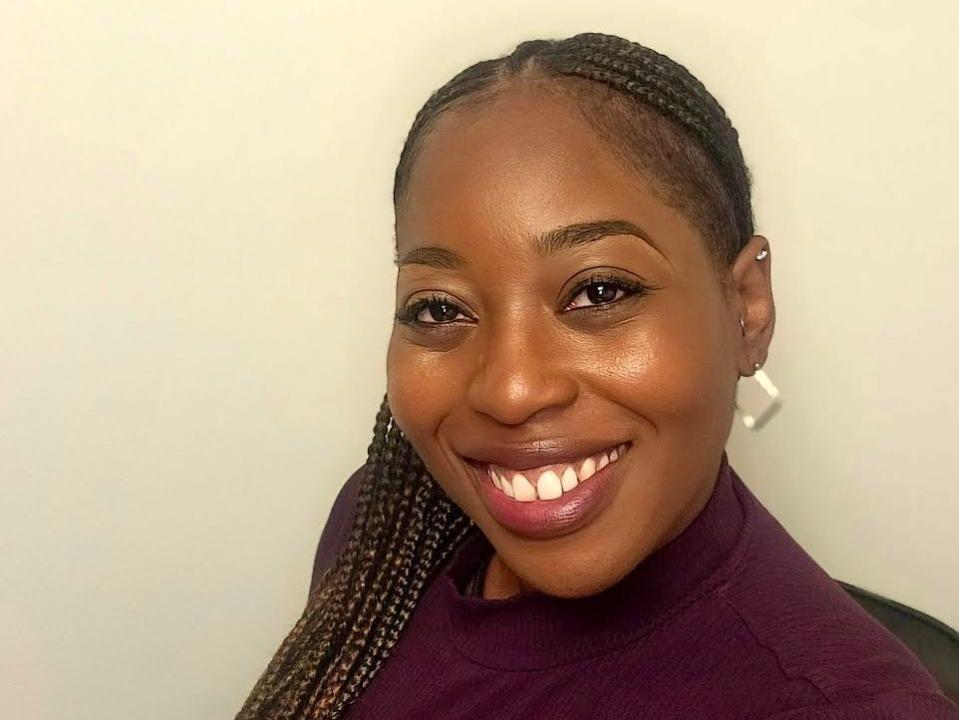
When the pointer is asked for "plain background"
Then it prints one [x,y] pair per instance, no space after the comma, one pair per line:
[196,293]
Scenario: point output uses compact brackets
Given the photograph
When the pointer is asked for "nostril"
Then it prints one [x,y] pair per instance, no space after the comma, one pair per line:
[520,386]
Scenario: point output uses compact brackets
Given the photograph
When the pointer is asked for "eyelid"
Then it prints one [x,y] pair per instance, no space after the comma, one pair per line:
[431,295]
[407,314]
[632,287]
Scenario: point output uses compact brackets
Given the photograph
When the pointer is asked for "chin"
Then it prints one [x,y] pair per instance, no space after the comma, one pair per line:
[565,578]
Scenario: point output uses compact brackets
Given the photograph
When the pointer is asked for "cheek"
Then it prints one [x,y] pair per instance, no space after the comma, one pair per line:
[423,390]
[419,389]
[673,367]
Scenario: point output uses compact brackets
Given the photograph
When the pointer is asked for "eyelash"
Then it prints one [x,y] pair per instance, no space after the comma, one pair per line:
[409,314]
[631,288]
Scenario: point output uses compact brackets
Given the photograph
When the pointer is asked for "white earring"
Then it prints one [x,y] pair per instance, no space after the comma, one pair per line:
[762,254]
[762,399]
[759,407]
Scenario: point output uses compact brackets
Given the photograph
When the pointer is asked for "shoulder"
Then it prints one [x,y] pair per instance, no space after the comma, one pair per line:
[338,525]
[818,635]
[895,705]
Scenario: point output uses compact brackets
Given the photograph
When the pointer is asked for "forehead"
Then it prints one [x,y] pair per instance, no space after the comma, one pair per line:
[516,165]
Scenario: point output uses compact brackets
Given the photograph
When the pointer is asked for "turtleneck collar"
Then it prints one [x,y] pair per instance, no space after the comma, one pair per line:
[535,631]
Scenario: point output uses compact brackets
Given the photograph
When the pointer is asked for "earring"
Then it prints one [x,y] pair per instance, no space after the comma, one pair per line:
[762,404]
[762,254]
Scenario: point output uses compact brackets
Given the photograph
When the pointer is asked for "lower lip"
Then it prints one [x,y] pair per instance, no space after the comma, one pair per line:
[552,518]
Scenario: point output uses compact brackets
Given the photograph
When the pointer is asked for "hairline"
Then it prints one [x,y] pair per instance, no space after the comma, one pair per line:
[575,92]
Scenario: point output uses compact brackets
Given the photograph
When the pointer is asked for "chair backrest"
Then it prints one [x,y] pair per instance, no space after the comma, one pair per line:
[934,643]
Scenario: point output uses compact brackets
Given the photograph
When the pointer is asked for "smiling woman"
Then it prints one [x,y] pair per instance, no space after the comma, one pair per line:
[547,524]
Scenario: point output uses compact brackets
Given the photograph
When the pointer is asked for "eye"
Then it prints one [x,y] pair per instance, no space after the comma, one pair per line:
[601,291]
[433,310]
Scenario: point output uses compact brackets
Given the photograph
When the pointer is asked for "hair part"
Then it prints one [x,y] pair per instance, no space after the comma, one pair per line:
[655,117]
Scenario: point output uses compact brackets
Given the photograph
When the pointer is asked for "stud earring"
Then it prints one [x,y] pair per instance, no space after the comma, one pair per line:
[762,254]
[762,400]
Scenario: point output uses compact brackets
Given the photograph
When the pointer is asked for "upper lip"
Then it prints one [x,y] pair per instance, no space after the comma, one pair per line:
[524,456]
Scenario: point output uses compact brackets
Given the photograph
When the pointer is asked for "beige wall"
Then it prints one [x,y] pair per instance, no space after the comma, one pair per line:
[195,292]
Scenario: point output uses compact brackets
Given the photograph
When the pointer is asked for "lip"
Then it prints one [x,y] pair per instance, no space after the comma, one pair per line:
[535,454]
[541,519]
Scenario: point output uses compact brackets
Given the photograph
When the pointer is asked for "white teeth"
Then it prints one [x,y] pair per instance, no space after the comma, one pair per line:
[586,472]
[522,488]
[548,487]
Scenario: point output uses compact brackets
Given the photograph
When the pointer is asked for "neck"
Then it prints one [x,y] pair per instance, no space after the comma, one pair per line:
[500,582]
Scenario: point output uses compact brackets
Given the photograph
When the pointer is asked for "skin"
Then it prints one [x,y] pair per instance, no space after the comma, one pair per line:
[519,364]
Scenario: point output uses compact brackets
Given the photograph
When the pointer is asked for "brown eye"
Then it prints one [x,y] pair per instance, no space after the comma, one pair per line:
[597,293]
[433,311]
[604,290]
[438,311]
[601,293]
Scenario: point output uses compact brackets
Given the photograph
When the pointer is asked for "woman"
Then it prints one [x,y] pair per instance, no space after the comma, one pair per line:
[547,525]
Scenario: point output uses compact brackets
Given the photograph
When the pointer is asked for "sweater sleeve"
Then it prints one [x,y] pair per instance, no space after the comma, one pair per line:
[895,705]
[337,528]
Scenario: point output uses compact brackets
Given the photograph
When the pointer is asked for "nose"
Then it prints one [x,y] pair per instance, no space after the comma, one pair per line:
[521,372]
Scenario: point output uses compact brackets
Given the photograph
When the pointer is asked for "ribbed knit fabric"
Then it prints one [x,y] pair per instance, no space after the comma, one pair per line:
[730,620]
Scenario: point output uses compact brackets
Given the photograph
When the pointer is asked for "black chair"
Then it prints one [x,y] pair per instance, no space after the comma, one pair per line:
[934,643]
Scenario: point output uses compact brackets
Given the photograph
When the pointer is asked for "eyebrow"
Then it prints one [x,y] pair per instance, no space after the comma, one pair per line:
[584,233]
[568,236]
[437,257]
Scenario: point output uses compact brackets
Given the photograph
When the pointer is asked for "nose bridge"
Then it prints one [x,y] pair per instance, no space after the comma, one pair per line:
[520,369]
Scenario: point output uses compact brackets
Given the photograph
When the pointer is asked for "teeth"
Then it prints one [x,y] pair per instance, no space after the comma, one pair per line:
[494,477]
[522,488]
[588,469]
[548,486]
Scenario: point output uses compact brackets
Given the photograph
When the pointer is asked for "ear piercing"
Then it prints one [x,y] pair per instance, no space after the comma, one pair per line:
[763,254]
[771,400]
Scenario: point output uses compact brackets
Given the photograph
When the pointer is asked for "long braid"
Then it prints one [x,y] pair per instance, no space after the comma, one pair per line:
[333,591]
[405,527]
[381,549]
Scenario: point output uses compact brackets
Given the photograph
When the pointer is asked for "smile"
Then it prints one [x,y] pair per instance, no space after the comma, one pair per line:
[549,482]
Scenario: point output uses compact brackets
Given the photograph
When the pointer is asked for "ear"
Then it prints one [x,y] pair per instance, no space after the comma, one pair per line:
[753,302]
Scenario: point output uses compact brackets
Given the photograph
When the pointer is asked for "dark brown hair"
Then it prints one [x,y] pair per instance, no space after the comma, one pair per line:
[663,123]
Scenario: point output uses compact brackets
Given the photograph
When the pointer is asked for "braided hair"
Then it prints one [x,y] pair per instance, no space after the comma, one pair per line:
[660,120]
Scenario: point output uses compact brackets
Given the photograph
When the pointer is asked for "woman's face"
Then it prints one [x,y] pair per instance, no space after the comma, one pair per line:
[555,310]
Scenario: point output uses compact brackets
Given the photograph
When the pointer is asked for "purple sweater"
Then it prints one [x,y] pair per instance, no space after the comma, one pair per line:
[732,619]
